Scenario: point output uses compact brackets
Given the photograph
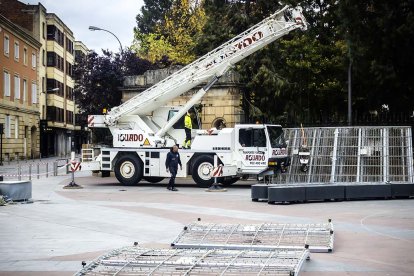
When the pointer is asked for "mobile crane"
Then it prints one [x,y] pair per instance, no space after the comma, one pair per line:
[143,128]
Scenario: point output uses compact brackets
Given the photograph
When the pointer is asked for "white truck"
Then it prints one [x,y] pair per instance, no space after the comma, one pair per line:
[144,129]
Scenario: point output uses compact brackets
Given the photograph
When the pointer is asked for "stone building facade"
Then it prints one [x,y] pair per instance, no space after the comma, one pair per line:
[19,96]
[55,66]
[220,106]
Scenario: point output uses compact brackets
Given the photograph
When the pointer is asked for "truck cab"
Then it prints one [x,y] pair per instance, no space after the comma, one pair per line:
[244,149]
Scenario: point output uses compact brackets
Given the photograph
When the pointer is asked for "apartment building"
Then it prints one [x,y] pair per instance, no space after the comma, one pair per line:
[55,68]
[19,97]
[82,133]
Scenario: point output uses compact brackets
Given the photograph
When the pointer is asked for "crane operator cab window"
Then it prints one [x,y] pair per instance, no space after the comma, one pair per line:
[252,137]
[180,123]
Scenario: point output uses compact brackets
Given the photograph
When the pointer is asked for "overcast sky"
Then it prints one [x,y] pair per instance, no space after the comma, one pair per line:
[117,16]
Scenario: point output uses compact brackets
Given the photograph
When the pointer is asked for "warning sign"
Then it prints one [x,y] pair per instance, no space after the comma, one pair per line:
[147,142]
[75,166]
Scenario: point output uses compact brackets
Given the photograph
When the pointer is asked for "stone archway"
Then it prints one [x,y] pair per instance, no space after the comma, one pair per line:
[33,139]
[219,123]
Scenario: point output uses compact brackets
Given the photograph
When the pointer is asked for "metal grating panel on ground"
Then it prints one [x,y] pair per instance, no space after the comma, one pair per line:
[266,236]
[143,261]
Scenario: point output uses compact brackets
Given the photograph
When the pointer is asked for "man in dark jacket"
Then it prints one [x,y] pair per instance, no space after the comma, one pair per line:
[171,163]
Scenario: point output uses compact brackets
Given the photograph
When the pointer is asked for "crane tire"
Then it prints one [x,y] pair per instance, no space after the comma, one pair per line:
[128,170]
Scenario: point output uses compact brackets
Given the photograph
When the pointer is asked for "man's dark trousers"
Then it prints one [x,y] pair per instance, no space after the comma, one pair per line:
[173,172]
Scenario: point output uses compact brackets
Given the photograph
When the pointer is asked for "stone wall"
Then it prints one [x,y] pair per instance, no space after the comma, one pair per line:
[222,103]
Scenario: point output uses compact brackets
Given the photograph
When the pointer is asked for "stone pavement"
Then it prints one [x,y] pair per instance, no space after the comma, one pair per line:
[64,227]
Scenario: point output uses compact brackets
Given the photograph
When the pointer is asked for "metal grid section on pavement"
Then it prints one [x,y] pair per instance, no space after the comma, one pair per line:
[143,261]
[350,154]
[266,236]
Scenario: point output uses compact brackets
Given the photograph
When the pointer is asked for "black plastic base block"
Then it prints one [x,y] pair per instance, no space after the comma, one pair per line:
[260,191]
[367,191]
[402,190]
[325,192]
[286,194]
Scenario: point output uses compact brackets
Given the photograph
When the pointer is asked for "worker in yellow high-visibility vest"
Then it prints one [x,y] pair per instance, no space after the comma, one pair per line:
[188,125]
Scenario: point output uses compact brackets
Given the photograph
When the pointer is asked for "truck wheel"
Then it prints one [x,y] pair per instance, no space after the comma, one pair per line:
[202,168]
[153,179]
[128,170]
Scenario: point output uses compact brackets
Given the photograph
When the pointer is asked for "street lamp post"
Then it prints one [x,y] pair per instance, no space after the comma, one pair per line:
[93,28]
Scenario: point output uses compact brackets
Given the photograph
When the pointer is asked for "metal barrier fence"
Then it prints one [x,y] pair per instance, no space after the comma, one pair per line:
[317,237]
[29,170]
[350,154]
[145,261]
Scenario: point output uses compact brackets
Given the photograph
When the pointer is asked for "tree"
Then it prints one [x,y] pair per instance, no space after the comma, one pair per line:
[380,39]
[98,78]
[174,37]
[300,76]
[152,13]
[97,82]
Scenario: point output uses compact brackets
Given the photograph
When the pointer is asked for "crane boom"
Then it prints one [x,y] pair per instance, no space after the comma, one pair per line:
[210,65]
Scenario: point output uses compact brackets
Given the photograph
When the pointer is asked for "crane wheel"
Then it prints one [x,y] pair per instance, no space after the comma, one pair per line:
[128,170]
[202,168]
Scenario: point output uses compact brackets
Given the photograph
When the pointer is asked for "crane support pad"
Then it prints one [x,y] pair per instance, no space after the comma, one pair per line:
[145,261]
[265,236]
[280,193]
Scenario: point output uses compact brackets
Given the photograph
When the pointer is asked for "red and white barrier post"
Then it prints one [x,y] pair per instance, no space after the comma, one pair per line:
[74,166]
[216,173]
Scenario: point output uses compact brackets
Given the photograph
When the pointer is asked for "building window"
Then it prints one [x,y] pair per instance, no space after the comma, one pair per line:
[16,127]
[44,57]
[6,81]
[7,126]
[16,50]
[44,30]
[69,93]
[52,84]
[6,45]
[24,90]
[33,60]
[34,93]
[51,59]
[54,60]
[69,69]
[69,45]
[55,34]
[69,117]
[25,56]
[16,87]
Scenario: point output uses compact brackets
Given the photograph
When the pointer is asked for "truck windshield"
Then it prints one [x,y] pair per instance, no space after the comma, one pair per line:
[276,136]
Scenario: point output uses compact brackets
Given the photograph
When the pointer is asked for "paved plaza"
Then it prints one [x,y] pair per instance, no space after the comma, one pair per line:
[62,228]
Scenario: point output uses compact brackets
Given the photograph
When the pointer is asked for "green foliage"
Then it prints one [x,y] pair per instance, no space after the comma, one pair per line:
[152,13]
[303,76]
[173,37]
[98,78]
[299,76]
[380,35]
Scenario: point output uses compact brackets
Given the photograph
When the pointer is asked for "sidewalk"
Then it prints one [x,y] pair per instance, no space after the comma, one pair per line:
[62,228]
